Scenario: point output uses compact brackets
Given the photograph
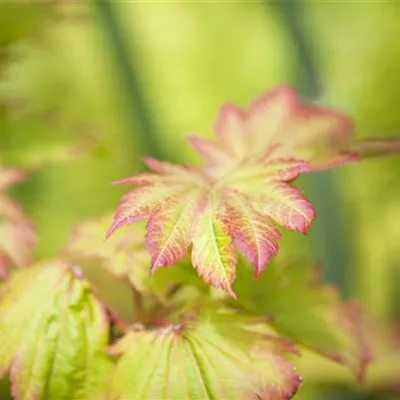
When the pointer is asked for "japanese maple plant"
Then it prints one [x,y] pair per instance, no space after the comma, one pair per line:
[215,318]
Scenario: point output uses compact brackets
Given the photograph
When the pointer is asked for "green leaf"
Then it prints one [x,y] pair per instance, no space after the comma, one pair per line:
[53,335]
[309,313]
[202,360]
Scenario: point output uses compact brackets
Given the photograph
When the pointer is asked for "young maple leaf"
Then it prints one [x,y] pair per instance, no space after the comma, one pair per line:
[236,200]
[240,210]
[16,233]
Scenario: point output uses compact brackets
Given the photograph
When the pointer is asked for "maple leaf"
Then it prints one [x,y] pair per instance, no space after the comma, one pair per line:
[203,360]
[16,232]
[187,206]
[236,200]
[310,313]
[53,334]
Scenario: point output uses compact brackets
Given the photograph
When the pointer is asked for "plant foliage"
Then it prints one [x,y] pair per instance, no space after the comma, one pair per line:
[61,338]
[243,192]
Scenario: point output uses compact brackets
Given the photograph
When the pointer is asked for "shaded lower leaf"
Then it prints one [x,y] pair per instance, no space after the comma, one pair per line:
[125,255]
[202,360]
[53,335]
[307,312]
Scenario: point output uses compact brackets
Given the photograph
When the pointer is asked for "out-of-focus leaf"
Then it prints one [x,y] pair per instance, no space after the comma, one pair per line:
[125,255]
[55,141]
[308,312]
[16,232]
[19,20]
[30,89]
[53,334]
[202,360]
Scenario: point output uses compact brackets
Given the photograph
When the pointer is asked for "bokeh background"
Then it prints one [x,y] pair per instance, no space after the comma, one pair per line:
[89,87]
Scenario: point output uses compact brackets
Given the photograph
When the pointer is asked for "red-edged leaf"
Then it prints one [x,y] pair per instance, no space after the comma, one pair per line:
[213,251]
[254,232]
[239,208]
[256,155]
[310,313]
[169,230]
[213,358]
[211,151]
[286,205]
[139,203]
[230,127]
[306,132]
[17,236]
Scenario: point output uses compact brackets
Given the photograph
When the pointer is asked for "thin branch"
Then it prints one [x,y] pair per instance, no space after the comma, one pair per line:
[138,110]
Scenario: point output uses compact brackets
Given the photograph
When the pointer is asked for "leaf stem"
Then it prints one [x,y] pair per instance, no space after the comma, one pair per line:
[138,306]
[161,311]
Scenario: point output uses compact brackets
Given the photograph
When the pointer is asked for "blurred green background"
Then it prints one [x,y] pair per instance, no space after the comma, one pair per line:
[88,88]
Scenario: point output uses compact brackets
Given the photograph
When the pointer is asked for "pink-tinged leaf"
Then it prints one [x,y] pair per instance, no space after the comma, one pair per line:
[17,236]
[139,203]
[287,206]
[142,179]
[308,312]
[212,358]
[268,115]
[306,132]
[211,151]
[254,232]
[255,156]
[231,130]
[319,136]
[9,177]
[254,177]
[213,253]
[164,168]
[169,230]
[352,320]
[287,169]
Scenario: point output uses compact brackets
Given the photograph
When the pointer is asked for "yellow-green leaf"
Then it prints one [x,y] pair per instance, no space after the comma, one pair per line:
[53,334]
[202,360]
[311,314]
